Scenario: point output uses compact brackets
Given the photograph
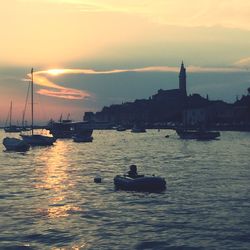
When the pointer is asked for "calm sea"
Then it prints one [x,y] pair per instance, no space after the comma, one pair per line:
[48,199]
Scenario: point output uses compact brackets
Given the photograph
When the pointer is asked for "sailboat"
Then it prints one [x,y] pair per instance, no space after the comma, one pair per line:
[199,133]
[36,139]
[12,143]
[11,128]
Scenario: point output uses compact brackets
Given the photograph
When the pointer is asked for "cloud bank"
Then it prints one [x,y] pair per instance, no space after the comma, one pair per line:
[52,89]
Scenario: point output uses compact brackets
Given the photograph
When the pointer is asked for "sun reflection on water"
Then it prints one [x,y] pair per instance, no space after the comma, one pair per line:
[54,179]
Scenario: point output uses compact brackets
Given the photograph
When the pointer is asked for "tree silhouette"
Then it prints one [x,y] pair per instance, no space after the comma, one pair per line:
[248,90]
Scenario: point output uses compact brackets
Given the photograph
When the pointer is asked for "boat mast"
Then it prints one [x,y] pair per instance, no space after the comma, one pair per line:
[25,107]
[32,110]
[10,113]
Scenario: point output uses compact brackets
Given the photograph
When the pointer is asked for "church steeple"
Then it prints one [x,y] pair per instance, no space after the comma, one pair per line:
[182,79]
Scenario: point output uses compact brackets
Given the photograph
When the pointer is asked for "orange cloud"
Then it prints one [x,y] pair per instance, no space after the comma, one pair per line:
[56,90]
[71,94]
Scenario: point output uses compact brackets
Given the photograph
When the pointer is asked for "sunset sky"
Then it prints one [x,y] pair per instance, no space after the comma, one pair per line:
[91,53]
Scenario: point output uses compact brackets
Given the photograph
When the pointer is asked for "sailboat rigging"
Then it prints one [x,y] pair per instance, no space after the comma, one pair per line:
[36,139]
[13,143]
[11,128]
[24,122]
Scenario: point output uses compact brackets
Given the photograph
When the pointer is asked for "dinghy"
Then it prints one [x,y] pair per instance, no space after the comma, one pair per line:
[141,183]
[15,144]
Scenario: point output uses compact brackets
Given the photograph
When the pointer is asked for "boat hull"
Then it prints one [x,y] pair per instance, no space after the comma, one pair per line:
[138,131]
[82,138]
[38,140]
[68,129]
[198,135]
[14,144]
[12,129]
[140,184]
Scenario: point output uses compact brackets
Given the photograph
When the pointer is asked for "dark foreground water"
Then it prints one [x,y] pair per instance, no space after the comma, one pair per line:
[48,199]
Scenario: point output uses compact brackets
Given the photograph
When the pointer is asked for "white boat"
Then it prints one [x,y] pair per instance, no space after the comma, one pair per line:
[15,144]
[36,139]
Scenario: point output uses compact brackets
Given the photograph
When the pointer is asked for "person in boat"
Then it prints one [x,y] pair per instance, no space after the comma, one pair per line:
[132,173]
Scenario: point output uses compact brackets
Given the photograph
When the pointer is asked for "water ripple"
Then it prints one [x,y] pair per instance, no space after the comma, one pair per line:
[50,201]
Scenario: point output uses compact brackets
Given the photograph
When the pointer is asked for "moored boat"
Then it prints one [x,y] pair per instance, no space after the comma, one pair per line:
[69,129]
[138,129]
[141,183]
[11,128]
[79,138]
[197,134]
[36,139]
[15,144]
[120,128]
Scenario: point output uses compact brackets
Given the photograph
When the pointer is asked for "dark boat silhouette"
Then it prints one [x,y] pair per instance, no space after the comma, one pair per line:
[36,139]
[15,144]
[197,134]
[141,183]
[11,128]
[69,129]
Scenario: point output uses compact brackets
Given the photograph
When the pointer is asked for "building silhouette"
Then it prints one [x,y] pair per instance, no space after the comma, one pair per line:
[170,106]
[164,106]
[182,79]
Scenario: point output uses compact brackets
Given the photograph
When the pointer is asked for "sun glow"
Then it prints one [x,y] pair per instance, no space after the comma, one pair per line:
[55,179]
[56,72]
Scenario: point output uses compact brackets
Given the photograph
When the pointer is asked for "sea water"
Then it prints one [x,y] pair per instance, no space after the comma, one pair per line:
[49,200]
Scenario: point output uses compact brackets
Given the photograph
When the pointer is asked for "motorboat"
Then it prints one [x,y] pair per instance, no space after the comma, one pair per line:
[69,129]
[83,133]
[38,139]
[197,134]
[80,138]
[120,128]
[15,144]
[141,183]
[61,129]
[138,129]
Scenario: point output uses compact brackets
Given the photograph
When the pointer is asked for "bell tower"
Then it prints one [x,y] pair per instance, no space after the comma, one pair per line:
[182,79]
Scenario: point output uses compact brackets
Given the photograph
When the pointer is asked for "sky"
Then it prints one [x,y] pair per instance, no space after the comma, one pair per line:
[87,54]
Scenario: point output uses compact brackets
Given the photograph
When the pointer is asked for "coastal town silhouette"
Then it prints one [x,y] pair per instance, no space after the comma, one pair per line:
[168,108]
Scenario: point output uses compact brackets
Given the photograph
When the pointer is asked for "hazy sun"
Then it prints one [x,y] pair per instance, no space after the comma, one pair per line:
[56,72]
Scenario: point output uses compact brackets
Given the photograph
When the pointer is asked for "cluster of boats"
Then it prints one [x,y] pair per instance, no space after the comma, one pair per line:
[78,131]
[183,133]
[134,129]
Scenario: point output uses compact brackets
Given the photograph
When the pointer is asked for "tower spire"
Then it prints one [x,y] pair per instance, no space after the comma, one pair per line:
[182,79]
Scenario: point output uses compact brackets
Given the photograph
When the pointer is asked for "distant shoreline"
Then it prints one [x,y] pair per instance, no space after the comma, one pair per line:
[236,128]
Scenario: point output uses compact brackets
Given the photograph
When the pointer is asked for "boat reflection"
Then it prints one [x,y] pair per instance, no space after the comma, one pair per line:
[54,180]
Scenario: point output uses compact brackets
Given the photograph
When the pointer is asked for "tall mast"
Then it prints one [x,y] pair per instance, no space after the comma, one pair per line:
[10,113]
[32,110]
[25,106]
